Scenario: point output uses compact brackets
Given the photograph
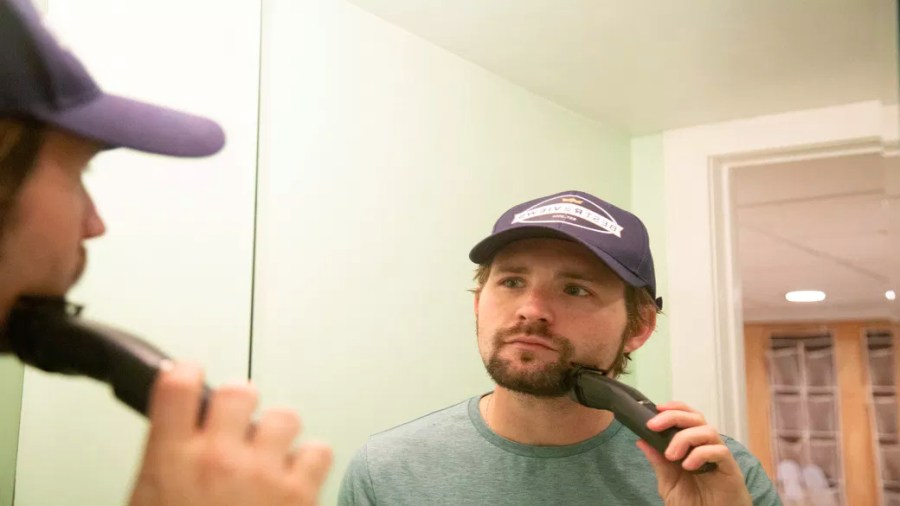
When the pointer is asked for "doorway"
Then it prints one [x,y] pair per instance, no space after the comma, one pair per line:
[821,373]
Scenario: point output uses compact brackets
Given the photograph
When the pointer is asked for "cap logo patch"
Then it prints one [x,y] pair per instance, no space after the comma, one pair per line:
[571,210]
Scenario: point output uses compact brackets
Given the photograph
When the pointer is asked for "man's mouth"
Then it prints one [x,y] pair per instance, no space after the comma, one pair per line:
[532,342]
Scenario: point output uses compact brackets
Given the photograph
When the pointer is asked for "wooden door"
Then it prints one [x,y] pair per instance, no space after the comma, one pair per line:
[864,445]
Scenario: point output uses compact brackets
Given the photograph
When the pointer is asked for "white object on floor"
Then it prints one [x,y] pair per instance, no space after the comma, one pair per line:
[791,478]
[820,494]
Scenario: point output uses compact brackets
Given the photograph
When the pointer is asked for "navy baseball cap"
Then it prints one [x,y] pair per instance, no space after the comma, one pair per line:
[617,237]
[41,80]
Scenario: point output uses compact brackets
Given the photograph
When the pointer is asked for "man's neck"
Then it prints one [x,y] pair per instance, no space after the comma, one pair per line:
[540,421]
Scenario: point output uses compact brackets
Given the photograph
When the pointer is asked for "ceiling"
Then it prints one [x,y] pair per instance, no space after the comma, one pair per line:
[828,224]
[648,65]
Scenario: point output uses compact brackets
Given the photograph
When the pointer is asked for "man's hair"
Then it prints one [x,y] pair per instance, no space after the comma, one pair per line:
[639,305]
[20,142]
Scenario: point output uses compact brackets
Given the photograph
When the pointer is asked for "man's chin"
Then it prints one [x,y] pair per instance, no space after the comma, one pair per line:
[56,290]
[528,363]
[59,284]
[536,390]
[79,271]
[532,378]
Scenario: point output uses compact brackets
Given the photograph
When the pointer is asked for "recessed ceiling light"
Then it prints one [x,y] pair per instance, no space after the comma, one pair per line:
[890,295]
[805,296]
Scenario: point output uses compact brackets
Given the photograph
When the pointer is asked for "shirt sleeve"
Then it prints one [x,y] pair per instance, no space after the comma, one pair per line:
[760,486]
[356,486]
[758,483]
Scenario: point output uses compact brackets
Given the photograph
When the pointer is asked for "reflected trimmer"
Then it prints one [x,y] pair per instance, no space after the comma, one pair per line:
[47,333]
[592,388]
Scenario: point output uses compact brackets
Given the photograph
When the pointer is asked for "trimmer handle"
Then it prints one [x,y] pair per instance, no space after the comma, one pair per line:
[47,333]
[592,388]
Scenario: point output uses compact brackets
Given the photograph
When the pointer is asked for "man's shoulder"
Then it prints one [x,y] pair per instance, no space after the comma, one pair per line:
[740,452]
[436,425]
[422,441]
[758,483]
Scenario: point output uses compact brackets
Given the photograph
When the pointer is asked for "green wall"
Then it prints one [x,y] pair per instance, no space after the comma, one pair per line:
[652,363]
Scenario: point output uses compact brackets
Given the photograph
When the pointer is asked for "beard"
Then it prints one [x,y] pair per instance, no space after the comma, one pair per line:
[82,265]
[540,380]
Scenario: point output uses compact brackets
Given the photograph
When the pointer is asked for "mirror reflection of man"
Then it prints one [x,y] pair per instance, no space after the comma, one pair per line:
[53,121]
[563,279]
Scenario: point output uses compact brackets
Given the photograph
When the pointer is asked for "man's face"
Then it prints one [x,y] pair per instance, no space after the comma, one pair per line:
[42,251]
[548,303]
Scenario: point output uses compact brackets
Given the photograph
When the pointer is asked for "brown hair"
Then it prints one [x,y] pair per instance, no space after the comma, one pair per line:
[20,141]
[639,305]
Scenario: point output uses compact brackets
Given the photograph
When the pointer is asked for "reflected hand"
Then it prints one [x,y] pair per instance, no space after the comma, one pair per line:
[697,443]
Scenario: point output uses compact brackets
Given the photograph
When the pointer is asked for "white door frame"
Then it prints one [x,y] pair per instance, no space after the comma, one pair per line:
[704,305]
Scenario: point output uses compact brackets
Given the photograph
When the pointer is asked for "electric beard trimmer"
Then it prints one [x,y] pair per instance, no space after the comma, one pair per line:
[592,388]
[45,332]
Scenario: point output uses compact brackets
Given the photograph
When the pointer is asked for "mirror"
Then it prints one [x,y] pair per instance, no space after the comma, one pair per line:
[372,143]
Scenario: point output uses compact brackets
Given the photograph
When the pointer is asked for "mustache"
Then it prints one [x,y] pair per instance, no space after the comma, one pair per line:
[537,329]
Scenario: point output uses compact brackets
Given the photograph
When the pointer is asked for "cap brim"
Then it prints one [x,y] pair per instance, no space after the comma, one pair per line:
[485,250]
[121,122]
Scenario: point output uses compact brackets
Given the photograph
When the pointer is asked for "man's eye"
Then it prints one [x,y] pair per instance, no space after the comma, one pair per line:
[577,291]
[512,282]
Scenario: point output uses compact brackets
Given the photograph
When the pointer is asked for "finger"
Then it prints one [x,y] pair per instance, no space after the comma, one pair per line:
[230,408]
[719,453]
[274,434]
[689,438]
[175,403]
[675,418]
[680,406]
[666,472]
[311,464]
[651,453]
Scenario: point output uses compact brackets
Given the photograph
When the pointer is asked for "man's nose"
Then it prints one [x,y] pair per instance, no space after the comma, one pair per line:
[536,305]
[93,223]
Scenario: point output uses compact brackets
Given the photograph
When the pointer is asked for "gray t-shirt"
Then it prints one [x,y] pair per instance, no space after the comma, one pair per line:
[451,456]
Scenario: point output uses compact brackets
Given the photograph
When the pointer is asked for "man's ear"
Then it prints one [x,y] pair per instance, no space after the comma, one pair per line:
[634,342]
[476,298]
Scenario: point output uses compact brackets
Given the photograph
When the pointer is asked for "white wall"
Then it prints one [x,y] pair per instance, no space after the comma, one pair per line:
[383,161]
[11,376]
[175,266]
[704,300]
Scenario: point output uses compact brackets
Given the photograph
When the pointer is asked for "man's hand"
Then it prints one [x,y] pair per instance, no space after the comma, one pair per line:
[697,443]
[223,462]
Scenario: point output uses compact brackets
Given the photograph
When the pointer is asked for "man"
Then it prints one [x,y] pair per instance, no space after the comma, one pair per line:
[53,120]
[563,279]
